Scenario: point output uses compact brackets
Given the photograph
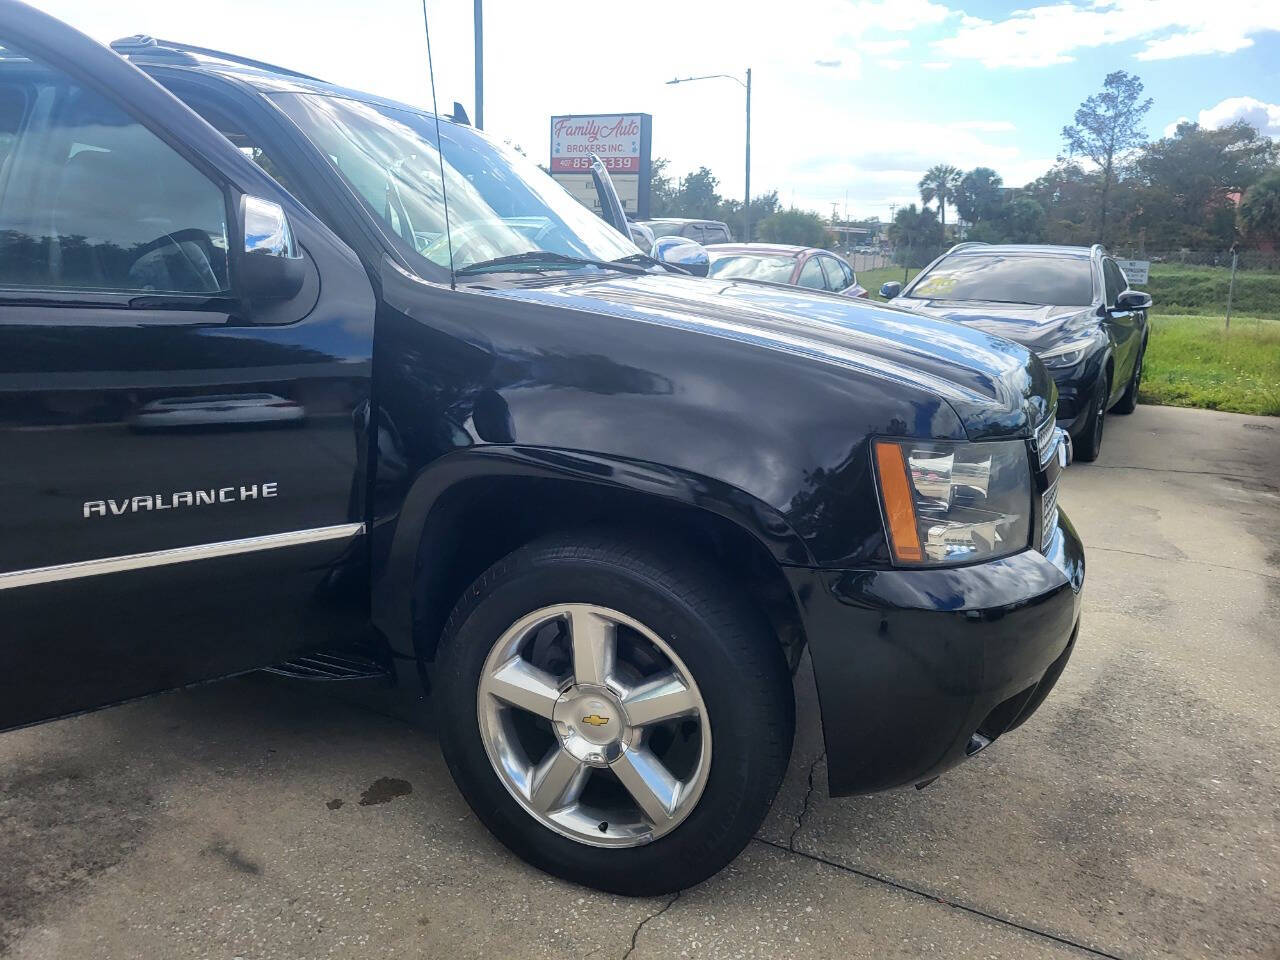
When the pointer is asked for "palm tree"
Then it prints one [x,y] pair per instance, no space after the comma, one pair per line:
[940,182]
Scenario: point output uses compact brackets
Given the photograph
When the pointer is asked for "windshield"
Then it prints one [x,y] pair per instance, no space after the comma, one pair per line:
[752,267]
[500,204]
[1044,281]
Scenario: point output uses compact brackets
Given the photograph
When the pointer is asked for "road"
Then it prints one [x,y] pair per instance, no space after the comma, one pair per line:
[1136,815]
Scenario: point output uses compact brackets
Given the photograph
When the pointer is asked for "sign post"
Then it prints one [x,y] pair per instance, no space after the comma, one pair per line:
[623,141]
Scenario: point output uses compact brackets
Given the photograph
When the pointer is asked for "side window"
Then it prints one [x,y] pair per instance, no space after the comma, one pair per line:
[811,274]
[1114,281]
[694,232]
[835,276]
[93,200]
[717,235]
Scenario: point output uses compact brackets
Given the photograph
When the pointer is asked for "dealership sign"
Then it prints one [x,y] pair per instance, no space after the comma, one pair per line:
[620,140]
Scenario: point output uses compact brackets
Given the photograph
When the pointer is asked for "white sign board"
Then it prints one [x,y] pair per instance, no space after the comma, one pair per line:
[1137,271]
[583,189]
[620,140]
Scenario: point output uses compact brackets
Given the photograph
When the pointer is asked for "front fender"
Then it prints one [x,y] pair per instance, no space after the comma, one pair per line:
[397,542]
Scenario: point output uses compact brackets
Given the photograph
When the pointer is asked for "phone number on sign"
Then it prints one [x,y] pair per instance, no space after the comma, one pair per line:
[612,164]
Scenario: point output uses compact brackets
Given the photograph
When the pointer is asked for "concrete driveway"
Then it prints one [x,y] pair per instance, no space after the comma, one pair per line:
[1137,815]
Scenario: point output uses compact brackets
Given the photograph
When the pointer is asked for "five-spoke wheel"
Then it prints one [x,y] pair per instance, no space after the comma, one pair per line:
[594,725]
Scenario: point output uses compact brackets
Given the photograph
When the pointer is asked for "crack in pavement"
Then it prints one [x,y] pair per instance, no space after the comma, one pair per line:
[1195,473]
[635,934]
[944,901]
[1198,563]
[804,807]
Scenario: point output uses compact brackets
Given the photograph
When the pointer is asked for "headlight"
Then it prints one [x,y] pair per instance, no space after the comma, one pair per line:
[948,503]
[1068,353]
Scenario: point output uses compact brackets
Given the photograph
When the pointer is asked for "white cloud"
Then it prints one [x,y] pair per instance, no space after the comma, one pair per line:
[1265,117]
[878,48]
[1051,33]
[1172,128]
[893,64]
[985,126]
[936,65]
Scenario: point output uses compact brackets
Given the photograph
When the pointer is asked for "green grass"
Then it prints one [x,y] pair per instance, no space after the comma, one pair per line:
[1192,361]
[1176,288]
[871,279]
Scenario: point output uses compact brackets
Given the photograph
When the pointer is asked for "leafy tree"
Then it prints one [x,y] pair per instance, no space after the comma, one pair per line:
[762,208]
[698,196]
[1107,129]
[980,195]
[662,193]
[916,236]
[1259,212]
[800,227]
[1189,182]
[940,182]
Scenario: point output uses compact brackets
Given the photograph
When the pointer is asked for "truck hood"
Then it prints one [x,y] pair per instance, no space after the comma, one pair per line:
[996,387]
[1035,327]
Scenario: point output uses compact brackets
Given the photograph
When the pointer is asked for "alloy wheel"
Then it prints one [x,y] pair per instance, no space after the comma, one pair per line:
[594,725]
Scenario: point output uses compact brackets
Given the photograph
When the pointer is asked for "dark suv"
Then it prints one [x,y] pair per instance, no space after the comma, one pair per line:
[1071,305]
[262,405]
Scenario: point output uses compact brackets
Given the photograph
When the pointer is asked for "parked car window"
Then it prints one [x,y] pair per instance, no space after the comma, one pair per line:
[665,229]
[1114,279]
[811,274]
[93,200]
[835,276]
[500,203]
[694,232]
[717,234]
[1005,278]
[752,267]
[849,278]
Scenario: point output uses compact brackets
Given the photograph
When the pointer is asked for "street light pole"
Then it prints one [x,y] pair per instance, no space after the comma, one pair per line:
[479,19]
[746,188]
[746,185]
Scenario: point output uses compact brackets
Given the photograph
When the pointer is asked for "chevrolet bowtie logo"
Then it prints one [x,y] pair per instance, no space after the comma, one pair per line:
[596,720]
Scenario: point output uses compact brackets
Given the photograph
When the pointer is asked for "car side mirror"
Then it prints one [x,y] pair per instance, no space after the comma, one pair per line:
[272,267]
[890,290]
[1133,300]
[683,254]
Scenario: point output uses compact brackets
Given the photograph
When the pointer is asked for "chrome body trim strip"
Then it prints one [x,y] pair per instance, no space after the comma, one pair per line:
[158,558]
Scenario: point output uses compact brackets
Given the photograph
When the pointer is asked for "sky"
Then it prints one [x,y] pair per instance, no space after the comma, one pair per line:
[851,99]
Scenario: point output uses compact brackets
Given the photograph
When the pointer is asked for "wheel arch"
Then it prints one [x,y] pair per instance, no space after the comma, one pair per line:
[473,507]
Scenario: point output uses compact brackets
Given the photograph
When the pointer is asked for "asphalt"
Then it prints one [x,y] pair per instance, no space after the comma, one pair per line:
[1137,815]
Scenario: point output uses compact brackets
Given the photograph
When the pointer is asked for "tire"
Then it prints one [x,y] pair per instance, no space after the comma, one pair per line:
[1129,402]
[1089,444]
[732,660]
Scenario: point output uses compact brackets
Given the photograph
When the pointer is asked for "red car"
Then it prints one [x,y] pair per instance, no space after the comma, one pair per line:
[786,264]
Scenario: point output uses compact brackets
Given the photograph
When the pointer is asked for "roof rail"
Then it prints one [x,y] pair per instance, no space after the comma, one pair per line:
[141,44]
[968,243]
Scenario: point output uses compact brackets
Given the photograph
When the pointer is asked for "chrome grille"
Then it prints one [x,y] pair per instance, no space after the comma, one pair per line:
[1049,515]
[1045,437]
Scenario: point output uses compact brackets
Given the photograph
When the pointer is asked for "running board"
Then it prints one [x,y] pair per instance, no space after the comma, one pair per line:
[328,665]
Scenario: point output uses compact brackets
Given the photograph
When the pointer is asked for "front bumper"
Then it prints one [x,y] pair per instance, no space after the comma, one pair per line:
[919,669]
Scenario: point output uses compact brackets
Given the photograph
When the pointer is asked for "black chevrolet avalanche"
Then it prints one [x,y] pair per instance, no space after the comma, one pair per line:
[264,407]
[1071,305]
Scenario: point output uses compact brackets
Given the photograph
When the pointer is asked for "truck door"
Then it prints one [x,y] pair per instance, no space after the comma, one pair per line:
[181,396]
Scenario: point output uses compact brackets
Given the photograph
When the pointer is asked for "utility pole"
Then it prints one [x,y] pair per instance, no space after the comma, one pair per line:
[479,19]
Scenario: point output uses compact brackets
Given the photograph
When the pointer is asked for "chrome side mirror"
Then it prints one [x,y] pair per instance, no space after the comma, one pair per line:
[272,266]
[890,290]
[683,254]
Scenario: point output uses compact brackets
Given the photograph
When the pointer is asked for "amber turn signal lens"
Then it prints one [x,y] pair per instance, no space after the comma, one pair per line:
[899,506]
